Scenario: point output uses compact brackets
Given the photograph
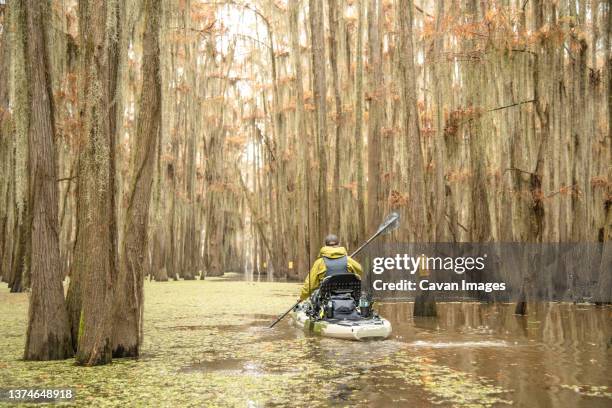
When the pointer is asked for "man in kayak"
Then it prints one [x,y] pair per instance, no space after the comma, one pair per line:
[332,260]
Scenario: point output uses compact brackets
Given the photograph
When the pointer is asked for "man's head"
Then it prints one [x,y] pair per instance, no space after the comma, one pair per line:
[331,240]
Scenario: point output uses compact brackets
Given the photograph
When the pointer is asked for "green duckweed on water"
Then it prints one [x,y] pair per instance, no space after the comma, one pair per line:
[206,344]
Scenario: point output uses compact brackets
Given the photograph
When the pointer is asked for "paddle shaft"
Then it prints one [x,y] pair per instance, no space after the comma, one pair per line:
[284,314]
[365,244]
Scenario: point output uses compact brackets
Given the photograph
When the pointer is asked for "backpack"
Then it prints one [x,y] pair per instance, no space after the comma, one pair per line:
[342,306]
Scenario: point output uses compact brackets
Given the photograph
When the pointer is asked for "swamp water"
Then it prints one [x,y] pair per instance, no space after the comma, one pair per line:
[207,344]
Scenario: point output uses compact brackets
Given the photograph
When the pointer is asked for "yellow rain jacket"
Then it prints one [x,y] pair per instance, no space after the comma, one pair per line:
[317,272]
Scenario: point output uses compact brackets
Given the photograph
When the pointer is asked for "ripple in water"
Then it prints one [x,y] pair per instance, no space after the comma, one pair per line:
[458,344]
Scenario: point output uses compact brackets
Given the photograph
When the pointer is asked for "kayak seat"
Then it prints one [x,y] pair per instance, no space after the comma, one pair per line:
[340,283]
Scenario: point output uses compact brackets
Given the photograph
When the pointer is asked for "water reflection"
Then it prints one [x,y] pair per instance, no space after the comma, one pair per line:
[544,357]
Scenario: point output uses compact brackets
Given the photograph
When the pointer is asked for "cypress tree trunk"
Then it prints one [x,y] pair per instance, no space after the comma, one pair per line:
[304,226]
[5,150]
[358,156]
[20,266]
[98,22]
[48,335]
[535,218]
[425,302]
[376,106]
[129,300]
[333,57]
[605,277]
[189,245]
[320,92]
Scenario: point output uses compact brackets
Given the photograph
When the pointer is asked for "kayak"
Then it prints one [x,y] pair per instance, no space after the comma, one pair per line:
[370,328]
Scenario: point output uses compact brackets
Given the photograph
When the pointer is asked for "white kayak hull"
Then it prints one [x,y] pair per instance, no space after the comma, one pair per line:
[366,329]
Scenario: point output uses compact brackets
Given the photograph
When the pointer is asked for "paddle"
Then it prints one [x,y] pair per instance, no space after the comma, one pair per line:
[391,223]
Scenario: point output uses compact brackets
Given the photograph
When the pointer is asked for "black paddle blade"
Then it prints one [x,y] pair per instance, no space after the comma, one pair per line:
[391,223]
